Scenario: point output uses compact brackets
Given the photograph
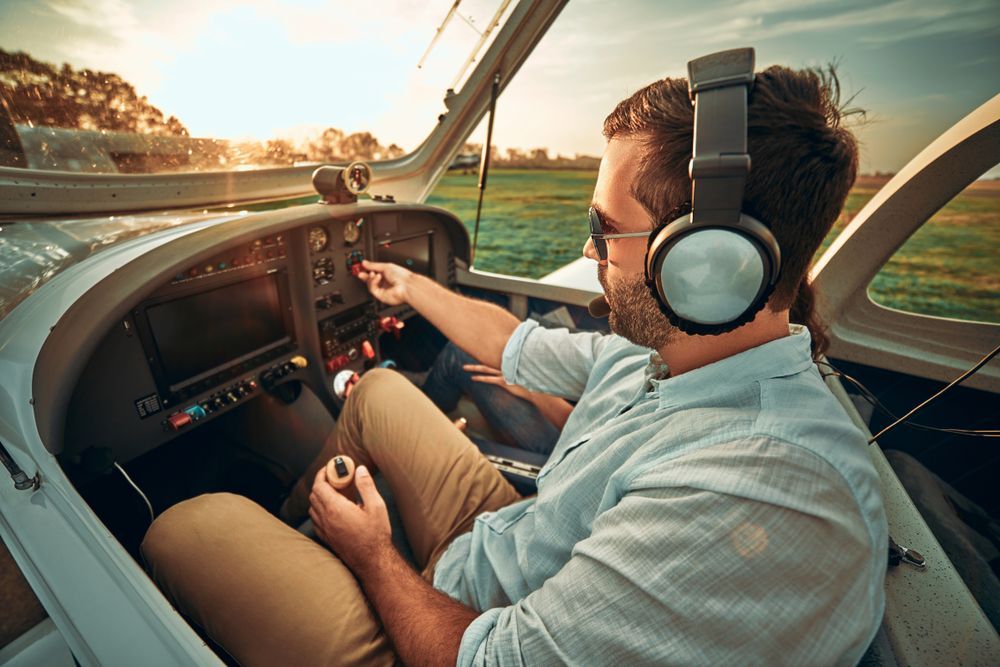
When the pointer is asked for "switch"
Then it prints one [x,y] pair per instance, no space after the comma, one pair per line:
[392,325]
[178,420]
[335,364]
[367,350]
[196,412]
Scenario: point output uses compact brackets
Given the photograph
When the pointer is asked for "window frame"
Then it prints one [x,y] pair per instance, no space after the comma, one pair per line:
[866,332]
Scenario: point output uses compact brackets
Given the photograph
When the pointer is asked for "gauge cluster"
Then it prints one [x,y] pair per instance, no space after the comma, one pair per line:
[335,247]
[232,322]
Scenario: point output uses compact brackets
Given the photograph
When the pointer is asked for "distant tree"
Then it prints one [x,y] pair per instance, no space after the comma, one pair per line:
[539,156]
[326,147]
[515,156]
[281,151]
[38,93]
[393,151]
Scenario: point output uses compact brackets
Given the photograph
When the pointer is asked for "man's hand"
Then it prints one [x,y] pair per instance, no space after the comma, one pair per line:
[425,625]
[356,533]
[490,375]
[386,282]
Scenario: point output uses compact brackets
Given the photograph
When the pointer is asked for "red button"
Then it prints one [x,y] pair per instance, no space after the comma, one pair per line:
[356,269]
[335,364]
[367,350]
[179,420]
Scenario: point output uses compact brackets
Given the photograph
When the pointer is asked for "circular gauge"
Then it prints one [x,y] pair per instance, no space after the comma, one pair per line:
[323,271]
[352,231]
[318,239]
[357,177]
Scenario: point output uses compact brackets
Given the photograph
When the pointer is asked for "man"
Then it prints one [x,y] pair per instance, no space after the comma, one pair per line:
[724,512]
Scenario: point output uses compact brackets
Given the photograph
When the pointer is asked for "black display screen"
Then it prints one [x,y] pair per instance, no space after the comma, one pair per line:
[413,253]
[198,333]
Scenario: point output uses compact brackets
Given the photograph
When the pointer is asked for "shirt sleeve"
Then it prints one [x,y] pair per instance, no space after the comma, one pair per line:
[687,576]
[551,361]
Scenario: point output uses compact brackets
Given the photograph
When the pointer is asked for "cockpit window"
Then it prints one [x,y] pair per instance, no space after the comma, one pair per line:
[151,87]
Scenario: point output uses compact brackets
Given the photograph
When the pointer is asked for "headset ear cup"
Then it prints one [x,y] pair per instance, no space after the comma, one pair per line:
[665,238]
[696,329]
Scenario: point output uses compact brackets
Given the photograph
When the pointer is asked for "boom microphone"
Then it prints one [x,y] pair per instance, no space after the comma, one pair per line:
[598,307]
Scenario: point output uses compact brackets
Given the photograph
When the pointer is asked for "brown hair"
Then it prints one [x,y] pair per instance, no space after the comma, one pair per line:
[803,165]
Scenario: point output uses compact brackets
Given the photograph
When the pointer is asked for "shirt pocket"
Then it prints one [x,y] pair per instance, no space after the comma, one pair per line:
[561,456]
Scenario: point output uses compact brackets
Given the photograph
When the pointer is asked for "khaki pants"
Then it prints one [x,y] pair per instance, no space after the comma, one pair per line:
[268,594]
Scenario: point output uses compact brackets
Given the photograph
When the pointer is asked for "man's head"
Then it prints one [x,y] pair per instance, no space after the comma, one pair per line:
[803,165]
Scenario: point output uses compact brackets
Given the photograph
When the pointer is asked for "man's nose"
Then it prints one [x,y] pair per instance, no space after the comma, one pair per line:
[589,251]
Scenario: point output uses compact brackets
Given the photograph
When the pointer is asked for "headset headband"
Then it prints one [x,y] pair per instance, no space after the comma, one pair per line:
[719,165]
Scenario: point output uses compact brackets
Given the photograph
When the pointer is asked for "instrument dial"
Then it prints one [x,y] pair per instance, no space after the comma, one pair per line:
[352,231]
[318,239]
[357,177]
[323,271]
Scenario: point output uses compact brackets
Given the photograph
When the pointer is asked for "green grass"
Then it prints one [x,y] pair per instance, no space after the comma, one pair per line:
[534,221]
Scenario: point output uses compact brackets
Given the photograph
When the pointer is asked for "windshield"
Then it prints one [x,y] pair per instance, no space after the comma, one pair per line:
[109,86]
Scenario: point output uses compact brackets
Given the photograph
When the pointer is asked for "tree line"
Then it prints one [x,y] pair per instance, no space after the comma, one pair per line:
[37,94]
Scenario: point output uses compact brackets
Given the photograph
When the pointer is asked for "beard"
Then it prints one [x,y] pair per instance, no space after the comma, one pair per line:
[635,315]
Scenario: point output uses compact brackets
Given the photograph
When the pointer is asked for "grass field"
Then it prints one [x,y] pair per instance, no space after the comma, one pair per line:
[534,221]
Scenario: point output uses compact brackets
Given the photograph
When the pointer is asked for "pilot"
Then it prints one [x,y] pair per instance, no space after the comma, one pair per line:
[708,500]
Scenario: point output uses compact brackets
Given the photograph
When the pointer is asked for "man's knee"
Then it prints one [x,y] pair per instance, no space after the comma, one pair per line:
[378,389]
[182,531]
[380,384]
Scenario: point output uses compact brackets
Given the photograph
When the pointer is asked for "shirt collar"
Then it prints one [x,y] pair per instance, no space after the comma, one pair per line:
[777,358]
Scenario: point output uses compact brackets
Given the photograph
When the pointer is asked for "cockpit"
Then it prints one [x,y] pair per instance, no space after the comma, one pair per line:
[181,311]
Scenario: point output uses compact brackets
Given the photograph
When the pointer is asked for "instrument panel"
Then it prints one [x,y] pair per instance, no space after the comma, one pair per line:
[250,318]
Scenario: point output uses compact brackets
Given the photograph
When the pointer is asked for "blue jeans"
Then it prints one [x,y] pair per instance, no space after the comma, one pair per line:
[517,421]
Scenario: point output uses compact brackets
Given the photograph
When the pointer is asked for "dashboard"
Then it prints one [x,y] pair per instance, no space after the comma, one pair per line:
[253,316]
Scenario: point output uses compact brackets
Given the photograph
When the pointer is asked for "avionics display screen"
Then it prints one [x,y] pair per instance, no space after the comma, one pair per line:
[413,253]
[197,333]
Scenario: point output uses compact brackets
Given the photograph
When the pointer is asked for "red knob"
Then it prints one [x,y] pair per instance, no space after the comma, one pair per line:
[392,325]
[356,269]
[367,350]
[336,363]
[179,420]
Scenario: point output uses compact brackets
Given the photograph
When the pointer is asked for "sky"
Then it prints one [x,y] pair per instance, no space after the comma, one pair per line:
[263,68]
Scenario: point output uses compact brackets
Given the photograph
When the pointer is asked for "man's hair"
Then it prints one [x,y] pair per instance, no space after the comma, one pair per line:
[803,164]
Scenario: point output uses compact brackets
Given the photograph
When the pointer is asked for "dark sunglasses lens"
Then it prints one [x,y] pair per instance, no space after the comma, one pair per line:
[596,232]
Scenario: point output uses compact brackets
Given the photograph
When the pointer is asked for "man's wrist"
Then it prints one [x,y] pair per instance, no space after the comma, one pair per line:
[377,560]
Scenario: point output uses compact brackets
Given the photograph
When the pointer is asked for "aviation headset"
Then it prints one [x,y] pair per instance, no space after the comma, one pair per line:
[713,269]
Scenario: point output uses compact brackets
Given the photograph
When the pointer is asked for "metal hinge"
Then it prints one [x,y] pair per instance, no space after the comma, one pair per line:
[21,480]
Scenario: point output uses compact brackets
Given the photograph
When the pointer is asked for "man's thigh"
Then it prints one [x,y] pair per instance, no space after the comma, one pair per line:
[266,593]
[440,480]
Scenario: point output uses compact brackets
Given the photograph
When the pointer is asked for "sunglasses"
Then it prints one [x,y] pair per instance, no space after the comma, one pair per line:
[600,239]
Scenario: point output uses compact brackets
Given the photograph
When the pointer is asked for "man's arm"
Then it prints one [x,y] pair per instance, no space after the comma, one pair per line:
[478,327]
[425,625]
[556,410]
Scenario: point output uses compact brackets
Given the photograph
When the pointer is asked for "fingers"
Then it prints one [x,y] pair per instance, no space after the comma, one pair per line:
[370,496]
[489,379]
[481,368]
[375,266]
[323,495]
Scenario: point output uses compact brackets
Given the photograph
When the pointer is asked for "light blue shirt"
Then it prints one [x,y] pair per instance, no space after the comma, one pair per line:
[729,515]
